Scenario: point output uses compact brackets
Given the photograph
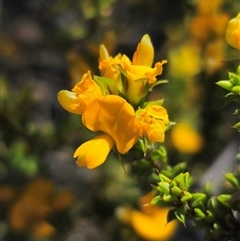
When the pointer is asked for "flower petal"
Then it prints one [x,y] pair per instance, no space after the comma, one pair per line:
[114,116]
[94,152]
[69,101]
[82,94]
[144,53]
[233,32]
[153,227]
[153,120]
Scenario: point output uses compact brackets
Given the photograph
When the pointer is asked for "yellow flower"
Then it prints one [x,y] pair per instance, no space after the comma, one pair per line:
[108,64]
[108,67]
[189,54]
[82,94]
[150,222]
[185,138]
[153,120]
[139,72]
[233,32]
[94,152]
[113,115]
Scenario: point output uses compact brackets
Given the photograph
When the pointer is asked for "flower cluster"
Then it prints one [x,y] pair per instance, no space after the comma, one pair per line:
[113,104]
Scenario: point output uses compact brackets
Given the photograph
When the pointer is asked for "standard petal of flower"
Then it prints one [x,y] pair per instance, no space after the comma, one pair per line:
[94,152]
[103,53]
[144,53]
[69,101]
[114,116]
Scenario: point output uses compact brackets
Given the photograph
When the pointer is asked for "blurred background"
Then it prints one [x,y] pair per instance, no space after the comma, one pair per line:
[46,47]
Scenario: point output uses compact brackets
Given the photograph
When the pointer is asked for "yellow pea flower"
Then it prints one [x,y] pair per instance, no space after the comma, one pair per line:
[94,152]
[153,120]
[149,222]
[82,94]
[232,34]
[114,116]
[186,139]
[108,67]
[139,72]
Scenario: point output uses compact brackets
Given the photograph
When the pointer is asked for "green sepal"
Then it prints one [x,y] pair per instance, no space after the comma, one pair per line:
[180,215]
[107,86]
[158,82]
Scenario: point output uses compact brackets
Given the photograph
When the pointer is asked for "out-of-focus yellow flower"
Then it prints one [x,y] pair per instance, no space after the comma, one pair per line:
[115,117]
[185,61]
[139,72]
[209,19]
[204,6]
[233,32]
[153,120]
[213,56]
[185,138]
[150,222]
[82,94]
[29,211]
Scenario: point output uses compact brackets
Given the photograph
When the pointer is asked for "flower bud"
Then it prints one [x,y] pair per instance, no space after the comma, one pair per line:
[236,90]
[224,198]
[169,198]
[164,186]
[232,179]
[199,213]
[176,191]
[198,198]
[164,178]
[186,196]
[226,84]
